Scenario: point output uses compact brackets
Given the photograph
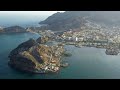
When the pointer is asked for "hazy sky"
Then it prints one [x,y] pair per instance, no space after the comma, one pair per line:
[18,17]
[27,13]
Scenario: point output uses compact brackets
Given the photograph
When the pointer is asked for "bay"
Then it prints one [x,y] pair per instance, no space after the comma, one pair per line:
[85,63]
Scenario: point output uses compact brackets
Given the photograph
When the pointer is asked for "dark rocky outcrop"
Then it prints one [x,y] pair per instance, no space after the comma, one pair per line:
[34,57]
[112,51]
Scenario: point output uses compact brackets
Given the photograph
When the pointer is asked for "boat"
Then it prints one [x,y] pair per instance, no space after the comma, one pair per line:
[64,65]
[77,45]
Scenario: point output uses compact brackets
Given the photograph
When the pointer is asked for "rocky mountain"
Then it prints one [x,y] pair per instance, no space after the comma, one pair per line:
[76,19]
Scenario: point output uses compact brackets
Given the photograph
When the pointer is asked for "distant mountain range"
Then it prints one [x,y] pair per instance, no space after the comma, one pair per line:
[76,19]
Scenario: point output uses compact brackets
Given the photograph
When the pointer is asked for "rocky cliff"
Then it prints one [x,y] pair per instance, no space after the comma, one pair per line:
[34,57]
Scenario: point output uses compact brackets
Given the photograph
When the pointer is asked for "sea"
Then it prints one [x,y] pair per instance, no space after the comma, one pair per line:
[85,62]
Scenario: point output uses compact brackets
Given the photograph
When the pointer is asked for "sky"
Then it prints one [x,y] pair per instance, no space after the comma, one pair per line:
[26,13]
[23,17]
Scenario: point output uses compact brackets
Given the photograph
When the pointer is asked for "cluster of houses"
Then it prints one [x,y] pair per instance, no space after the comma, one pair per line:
[89,34]
[94,37]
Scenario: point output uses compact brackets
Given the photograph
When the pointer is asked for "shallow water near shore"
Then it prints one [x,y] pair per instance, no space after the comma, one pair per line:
[85,62]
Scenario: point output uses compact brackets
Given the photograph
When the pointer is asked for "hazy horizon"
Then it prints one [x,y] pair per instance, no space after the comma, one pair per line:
[9,18]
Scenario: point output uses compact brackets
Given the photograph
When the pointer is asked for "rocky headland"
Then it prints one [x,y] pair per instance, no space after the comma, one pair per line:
[34,57]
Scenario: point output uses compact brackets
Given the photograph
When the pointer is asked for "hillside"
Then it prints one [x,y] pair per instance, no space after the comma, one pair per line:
[76,19]
[64,21]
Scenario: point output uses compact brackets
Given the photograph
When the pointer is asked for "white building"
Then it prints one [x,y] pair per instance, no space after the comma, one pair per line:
[80,39]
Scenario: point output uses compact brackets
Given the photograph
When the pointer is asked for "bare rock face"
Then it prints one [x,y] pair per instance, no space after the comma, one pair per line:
[34,57]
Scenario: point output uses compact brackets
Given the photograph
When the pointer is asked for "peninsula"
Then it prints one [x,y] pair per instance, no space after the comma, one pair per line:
[32,56]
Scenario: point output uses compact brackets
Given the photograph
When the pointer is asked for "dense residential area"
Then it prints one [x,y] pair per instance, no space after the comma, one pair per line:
[90,36]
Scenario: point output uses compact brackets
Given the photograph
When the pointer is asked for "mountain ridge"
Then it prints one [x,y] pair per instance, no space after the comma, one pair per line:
[76,19]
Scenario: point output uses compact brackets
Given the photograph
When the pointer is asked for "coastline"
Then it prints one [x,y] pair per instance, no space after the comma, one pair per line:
[81,58]
[33,32]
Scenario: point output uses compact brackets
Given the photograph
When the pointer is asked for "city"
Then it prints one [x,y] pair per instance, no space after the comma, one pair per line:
[89,36]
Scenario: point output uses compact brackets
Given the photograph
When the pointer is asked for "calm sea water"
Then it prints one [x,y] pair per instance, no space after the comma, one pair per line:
[85,63]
